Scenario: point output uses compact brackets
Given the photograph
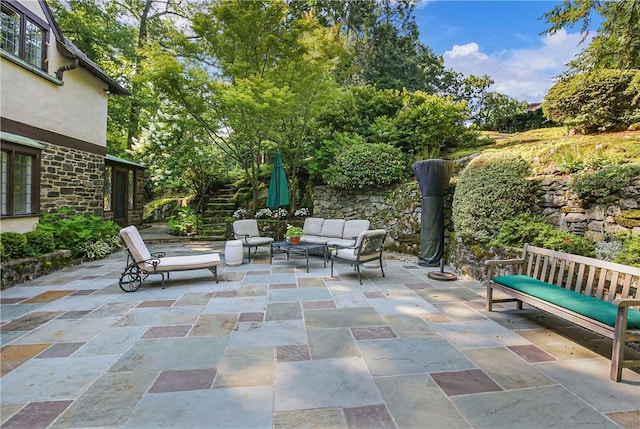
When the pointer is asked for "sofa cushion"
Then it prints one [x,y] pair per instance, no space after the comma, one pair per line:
[353,228]
[332,228]
[313,226]
[315,239]
[589,306]
[341,242]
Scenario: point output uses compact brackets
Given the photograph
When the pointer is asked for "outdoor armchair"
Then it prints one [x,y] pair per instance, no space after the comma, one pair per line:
[368,248]
[246,230]
[141,263]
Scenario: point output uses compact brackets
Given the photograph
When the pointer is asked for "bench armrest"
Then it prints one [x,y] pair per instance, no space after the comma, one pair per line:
[625,302]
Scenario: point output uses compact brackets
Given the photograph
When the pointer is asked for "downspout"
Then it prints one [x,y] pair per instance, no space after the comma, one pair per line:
[64,68]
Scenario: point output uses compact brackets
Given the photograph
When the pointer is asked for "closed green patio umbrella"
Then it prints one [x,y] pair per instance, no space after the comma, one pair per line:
[278,195]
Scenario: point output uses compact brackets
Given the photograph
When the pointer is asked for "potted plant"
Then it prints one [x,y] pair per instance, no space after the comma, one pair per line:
[293,234]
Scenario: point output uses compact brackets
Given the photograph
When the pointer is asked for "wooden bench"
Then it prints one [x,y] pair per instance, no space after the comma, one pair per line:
[601,296]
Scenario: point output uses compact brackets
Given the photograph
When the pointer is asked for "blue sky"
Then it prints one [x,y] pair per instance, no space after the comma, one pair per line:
[501,39]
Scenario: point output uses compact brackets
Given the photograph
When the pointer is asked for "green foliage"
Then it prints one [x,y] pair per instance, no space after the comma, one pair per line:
[605,181]
[521,229]
[73,231]
[428,123]
[617,42]
[594,101]
[490,190]
[521,122]
[526,228]
[631,253]
[563,241]
[498,108]
[364,165]
[96,249]
[14,245]
[294,231]
[39,242]
[184,220]
[178,153]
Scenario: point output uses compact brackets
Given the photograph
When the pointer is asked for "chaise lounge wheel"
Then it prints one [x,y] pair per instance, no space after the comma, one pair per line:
[130,282]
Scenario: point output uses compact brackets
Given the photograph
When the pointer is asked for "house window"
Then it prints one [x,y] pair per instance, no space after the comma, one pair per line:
[24,35]
[19,180]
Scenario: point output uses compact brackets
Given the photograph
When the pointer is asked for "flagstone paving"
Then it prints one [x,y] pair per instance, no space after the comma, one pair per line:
[272,346]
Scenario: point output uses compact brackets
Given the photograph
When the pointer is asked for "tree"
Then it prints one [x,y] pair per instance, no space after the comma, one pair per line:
[617,42]
[113,34]
[383,40]
[177,154]
[252,77]
[496,108]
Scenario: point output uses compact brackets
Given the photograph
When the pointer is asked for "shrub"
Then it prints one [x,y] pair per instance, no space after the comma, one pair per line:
[524,228]
[14,244]
[603,182]
[39,242]
[185,220]
[527,228]
[97,249]
[365,165]
[631,253]
[490,190]
[73,231]
[563,241]
[522,122]
[595,101]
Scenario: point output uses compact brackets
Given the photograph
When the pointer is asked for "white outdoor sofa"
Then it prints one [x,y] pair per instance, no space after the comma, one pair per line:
[333,232]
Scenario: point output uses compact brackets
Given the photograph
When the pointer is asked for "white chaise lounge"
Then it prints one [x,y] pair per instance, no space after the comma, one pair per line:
[141,263]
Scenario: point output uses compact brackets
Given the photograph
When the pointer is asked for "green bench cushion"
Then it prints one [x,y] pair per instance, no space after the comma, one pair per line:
[589,306]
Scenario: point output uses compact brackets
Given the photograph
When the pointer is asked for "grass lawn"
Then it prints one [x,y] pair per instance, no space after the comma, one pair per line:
[551,148]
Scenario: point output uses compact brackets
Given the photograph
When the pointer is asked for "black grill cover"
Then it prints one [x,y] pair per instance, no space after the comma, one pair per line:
[433,177]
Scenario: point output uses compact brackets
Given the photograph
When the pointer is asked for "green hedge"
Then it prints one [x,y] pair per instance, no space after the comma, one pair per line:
[365,165]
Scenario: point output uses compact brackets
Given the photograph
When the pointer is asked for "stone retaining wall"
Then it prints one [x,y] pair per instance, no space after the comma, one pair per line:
[608,215]
[398,209]
[21,270]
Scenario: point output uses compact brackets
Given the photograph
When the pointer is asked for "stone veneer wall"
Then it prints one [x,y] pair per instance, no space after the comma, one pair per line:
[398,210]
[71,178]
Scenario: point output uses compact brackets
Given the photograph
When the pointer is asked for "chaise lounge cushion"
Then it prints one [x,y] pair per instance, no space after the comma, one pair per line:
[589,306]
[181,263]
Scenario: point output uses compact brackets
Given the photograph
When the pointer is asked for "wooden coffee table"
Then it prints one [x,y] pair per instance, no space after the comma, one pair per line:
[279,247]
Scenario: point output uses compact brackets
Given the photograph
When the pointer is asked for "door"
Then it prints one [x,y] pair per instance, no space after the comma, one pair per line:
[120,198]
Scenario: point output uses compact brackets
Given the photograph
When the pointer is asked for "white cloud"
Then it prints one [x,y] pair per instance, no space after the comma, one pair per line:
[524,74]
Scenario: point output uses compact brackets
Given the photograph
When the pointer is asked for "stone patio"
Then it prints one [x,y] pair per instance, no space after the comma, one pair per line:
[272,346]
